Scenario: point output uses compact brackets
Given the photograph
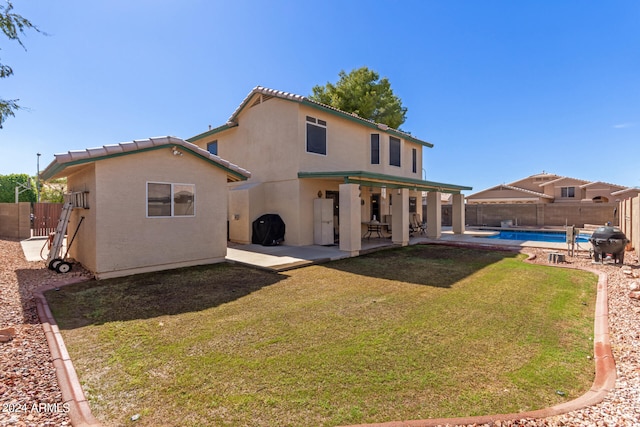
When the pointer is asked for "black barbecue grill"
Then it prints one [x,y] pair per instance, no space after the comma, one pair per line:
[608,240]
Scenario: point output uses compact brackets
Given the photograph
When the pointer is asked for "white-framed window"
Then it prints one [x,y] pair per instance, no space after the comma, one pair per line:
[316,136]
[166,199]
[394,151]
[567,192]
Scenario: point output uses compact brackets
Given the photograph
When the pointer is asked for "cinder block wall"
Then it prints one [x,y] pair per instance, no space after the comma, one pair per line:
[15,220]
[537,215]
[630,221]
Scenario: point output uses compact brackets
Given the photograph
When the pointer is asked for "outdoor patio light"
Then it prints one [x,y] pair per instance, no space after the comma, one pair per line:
[175,151]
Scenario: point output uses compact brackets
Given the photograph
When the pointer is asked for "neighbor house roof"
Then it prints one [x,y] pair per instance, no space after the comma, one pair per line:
[589,184]
[630,190]
[63,161]
[233,120]
[560,179]
[511,187]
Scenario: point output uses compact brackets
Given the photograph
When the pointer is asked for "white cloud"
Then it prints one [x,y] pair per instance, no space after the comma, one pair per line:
[623,125]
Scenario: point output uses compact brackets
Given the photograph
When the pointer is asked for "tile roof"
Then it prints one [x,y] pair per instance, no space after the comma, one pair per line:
[511,187]
[524,190]
[233,119]
[70,158]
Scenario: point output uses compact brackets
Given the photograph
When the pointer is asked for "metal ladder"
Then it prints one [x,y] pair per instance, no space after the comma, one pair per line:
[55,253]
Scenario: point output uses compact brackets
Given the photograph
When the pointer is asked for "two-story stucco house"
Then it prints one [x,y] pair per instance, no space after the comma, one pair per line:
[319,167]
[548,188]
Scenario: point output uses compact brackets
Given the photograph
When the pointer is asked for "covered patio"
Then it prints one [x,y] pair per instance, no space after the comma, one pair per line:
[388,200]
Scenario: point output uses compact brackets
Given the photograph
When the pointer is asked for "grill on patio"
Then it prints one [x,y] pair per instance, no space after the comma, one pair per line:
[608,240]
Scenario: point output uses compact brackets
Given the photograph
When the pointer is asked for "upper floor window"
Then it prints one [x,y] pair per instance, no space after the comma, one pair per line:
[414,160]
[212,147]
[375,148]
[568,192]
[394,151]
[316,136]
[167,199]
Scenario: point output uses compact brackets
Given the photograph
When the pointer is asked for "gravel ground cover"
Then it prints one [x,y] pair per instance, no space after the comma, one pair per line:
[30,396]
[29,392]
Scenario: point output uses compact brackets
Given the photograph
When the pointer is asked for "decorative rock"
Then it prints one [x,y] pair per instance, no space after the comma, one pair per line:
[7,335]
[635,295]
[634,286]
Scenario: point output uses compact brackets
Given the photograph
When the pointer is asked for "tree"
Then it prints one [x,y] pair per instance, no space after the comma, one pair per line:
[363,92]
[53,190]
[8,184]
[12,25]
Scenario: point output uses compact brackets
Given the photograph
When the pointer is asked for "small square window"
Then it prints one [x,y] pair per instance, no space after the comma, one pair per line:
[212,147]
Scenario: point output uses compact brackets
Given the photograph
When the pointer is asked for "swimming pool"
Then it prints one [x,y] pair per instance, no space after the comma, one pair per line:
[538,236]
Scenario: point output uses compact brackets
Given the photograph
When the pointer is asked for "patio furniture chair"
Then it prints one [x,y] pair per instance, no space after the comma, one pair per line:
[417,226]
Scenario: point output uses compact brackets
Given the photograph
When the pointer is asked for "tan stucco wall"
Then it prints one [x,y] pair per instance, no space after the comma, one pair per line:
[270,141]
[349,148]
[83,248]
[125,240]
[246,204]
[265,139]
[600,190]
[15,220]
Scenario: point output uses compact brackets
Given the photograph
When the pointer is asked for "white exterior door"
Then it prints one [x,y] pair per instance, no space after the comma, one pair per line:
[322,221]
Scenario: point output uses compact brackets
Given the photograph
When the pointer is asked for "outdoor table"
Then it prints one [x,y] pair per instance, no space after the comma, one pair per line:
[374,227]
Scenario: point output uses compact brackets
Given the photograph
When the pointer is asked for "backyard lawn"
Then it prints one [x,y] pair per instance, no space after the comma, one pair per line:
[408,333]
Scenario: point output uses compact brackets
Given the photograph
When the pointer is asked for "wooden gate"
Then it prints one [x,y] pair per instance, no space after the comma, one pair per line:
[45,218]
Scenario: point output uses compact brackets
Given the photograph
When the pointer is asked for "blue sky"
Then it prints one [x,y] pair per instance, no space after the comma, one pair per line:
[503,89]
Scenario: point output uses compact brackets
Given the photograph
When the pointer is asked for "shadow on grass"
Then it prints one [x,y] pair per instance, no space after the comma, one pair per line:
[429,264]
[149,295]
[194,289]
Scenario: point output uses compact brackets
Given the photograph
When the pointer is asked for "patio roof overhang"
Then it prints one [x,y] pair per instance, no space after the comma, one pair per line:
[371,179]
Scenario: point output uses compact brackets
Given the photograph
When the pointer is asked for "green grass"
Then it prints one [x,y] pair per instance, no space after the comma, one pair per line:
[408,333]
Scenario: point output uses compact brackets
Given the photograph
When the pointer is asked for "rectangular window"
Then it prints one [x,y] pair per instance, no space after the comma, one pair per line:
[394,151]
[414,160]
[212,147]
[375,148]
[568,191]
[316,136]
[167,200]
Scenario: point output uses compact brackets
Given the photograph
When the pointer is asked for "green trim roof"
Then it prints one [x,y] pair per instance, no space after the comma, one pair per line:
[233,120]
[372,179]
[73,158]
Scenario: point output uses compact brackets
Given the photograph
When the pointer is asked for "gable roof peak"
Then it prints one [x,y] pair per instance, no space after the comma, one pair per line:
[233,119]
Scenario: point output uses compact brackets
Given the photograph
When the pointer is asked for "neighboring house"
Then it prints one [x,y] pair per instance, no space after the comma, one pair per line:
[547,188]
[148,205]
[323,169]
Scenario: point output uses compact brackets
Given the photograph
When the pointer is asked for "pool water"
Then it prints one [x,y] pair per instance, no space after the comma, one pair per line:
[538,236]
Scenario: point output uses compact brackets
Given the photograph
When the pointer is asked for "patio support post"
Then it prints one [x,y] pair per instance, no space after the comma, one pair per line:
[400,218]
[434,215]
[458,214]
[350,219]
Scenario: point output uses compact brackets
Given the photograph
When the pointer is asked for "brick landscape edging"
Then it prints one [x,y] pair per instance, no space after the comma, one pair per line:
[72,393]
[603,383]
